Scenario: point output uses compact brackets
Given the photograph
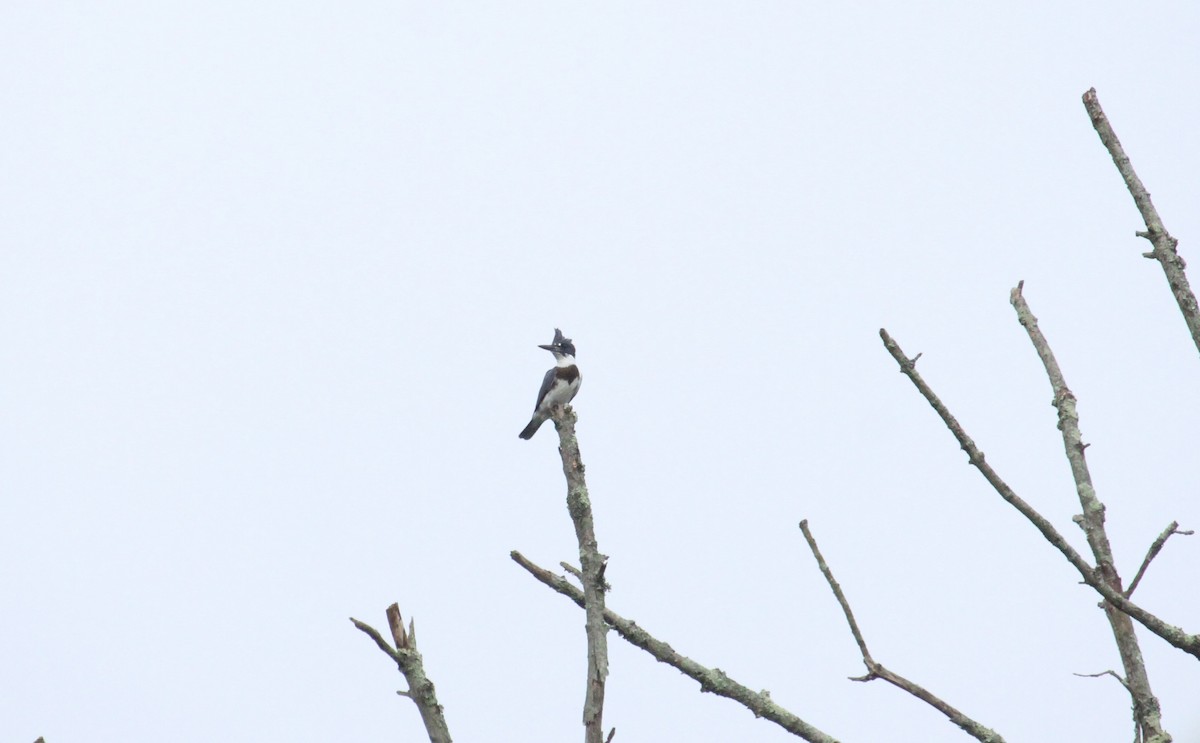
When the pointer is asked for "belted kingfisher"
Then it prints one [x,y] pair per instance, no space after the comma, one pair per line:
[559,386]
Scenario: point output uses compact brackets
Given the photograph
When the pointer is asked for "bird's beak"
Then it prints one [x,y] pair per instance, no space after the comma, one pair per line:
[548,348]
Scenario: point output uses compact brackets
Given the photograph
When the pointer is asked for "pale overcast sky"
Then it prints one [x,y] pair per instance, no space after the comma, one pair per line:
[273,277]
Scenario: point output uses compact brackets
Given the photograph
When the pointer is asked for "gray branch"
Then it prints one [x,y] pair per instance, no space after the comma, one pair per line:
[1145,705]
[1164,251]
[592,565]
[711,680]
[1112,673]
[1186,642]
[420,687]
[876,670]
[1155,548]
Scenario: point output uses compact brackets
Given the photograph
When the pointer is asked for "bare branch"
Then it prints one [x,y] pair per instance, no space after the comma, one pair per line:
[396,623]
[420,687]
[1114,674]
[1186,642]
[976,458]
[1138,732]
[837,592]
[876,670]
[1155,547]
[378,638]
[711,680]
[1164,251]
[592,565]
[1146,711]
[1068,423]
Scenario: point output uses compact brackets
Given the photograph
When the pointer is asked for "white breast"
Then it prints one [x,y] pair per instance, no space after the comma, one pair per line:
[562,393]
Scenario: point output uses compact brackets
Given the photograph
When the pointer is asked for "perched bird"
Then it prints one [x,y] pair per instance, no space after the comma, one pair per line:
[559,386]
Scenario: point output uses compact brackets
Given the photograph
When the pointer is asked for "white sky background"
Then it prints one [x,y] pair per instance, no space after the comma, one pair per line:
[272,283]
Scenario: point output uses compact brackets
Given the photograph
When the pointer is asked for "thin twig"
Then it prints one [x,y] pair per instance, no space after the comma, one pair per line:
[1139,734]
[1114,674]
[1155,548]
[592,566]
[1186,642]
[712,680]
[408,659]
[1164,251]
[1146,710]
[876,670]
[837,592]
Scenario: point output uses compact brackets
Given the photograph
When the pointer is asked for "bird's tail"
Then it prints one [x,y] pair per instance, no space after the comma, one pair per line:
[534,424]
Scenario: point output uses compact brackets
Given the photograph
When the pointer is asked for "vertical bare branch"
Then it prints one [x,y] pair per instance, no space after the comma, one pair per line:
[1189,643]
[420,687]
[592,565]
[1145,705]
[712,680]
[1164,251]
[877,671]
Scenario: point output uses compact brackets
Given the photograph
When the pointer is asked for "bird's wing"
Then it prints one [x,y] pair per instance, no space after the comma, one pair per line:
[547,383]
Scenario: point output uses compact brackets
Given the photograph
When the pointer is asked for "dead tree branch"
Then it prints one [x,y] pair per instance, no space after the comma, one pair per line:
[592,565]
[1155,548]
[711,680]
[1110,672]
[876,670]
[1186,642]
[420,687]
[1164,251]
[1146,709]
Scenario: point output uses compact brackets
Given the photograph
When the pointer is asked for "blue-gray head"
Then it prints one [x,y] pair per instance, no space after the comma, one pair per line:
[562,346]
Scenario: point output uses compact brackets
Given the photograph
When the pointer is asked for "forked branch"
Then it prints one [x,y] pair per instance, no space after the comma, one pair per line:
[1146,712]
[408,660]
[711,680]
[592,565]
[1186,642]
[876,670]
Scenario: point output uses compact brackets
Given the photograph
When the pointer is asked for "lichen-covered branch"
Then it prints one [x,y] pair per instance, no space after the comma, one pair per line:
[420,687]
[592,565]
[711,680]
[1146,709]
[1189,643]
[1164,251]
[876,670]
